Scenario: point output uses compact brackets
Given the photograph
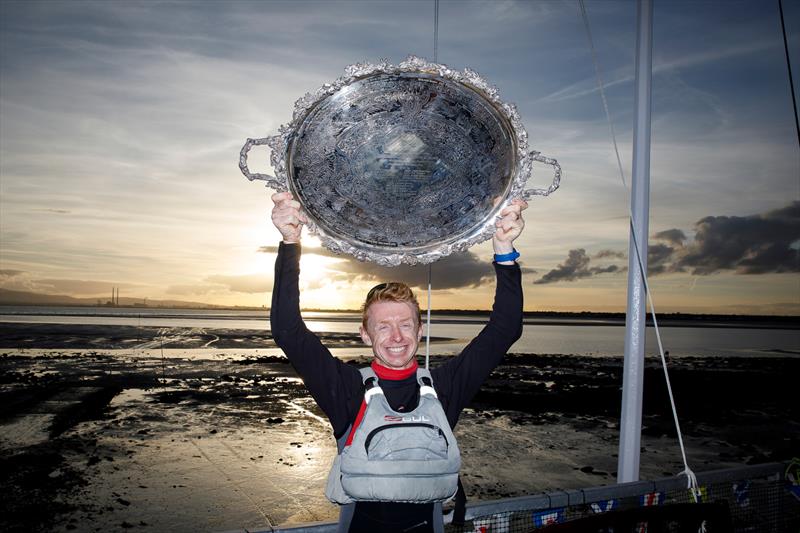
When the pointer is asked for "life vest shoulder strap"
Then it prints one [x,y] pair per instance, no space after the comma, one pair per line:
[367,373]
[371,386]
[424,377]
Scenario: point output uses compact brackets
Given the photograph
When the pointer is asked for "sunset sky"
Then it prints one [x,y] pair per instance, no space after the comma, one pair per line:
[121,125]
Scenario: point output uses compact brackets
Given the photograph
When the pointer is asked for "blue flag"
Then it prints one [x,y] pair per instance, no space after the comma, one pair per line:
[604,506]
[545,518]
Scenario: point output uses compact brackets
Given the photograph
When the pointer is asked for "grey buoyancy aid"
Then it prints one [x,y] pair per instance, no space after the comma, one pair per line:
[398,457]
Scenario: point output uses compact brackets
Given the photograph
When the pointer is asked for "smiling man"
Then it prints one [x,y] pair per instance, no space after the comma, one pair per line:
[391,325]
[412,401]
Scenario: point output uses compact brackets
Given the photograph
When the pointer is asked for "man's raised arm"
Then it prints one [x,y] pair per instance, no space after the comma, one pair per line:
[326,378]
[462,376]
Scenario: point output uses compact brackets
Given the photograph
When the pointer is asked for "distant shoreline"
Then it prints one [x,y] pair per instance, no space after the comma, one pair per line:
[459,316]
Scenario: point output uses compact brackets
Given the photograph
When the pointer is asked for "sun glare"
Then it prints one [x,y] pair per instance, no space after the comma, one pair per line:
[312,269]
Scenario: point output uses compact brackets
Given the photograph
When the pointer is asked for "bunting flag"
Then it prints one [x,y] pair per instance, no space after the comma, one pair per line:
[498,523]
[604,506]
[741,492]
[652,498]
[699,495]
[545,518]
[647,500]
[792,476]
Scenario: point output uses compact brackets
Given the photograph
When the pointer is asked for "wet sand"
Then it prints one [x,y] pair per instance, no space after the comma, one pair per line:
[98,433]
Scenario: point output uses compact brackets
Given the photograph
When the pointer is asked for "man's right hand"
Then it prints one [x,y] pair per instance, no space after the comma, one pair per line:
[287,217]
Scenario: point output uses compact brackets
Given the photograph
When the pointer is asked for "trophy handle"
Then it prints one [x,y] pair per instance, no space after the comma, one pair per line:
[271,180]
[537,156]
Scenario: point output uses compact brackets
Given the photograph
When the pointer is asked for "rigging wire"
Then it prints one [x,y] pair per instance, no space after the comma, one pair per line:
[428,327]
[435,60]
[435,31]
[692,479]
[789,68]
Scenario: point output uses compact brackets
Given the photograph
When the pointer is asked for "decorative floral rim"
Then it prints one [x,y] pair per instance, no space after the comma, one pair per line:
[280,143]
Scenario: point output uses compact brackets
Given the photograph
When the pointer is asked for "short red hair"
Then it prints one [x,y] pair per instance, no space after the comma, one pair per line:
[394,291]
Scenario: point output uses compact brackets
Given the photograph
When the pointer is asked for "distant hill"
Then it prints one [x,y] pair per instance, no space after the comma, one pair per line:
[8,297]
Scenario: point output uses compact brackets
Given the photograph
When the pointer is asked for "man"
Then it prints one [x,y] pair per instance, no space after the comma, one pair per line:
[391,327]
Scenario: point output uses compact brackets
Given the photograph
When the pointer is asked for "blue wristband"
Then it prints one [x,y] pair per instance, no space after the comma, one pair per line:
[499,258]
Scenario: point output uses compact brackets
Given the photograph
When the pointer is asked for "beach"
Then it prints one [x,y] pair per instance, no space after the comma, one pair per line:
[101,430]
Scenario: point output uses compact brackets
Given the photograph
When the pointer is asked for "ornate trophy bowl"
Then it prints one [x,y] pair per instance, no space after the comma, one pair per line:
[402,164]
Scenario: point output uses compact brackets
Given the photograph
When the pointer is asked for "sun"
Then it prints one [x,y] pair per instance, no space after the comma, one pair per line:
[321,284]
[313,267]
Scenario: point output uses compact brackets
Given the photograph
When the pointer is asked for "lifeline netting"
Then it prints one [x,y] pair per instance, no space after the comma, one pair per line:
[744,503]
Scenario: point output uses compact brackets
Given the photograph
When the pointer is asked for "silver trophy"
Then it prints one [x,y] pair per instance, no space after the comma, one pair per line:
[402,163]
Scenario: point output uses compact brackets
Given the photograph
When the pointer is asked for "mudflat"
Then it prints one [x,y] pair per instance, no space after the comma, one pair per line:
[99,433]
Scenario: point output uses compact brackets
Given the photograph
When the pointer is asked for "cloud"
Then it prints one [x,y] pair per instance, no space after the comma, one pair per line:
[79,286]
[672,236]
[20,280]
[321,251]
[192,289]
[621,75]
[55,211]
[658,259]
[17,280]
[603,254]
[757,244]
[454,271]
[247,283]
[576,267]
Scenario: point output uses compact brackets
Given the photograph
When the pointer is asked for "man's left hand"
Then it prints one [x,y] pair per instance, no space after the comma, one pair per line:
[509,226]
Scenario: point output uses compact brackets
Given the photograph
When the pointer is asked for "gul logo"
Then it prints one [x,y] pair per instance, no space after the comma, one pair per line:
[420,418]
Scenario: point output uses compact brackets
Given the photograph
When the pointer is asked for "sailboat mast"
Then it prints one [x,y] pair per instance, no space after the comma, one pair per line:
[635,318]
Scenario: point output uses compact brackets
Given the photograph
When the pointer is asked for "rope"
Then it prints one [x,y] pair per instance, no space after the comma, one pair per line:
[601,85]
[435,60]
[428,328]
[435,31]
[789,68]
[692,479]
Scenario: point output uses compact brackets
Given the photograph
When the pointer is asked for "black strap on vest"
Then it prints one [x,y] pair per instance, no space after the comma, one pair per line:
[460,511]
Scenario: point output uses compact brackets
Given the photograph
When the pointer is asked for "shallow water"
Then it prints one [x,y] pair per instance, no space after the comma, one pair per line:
[590,338]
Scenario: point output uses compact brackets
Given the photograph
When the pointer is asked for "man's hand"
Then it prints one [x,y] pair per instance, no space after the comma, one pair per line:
[287,217]
[509,227]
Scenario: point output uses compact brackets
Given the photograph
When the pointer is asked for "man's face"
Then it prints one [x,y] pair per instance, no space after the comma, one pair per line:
[393,332]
